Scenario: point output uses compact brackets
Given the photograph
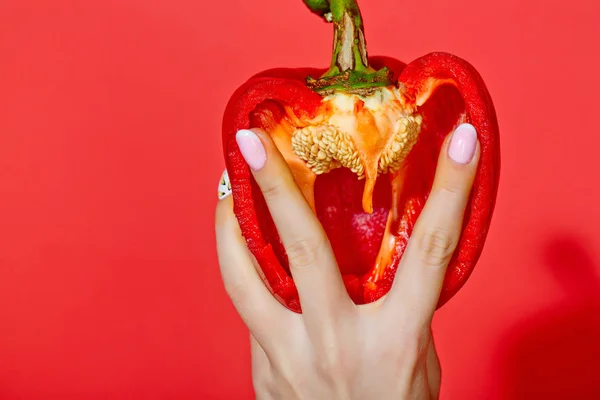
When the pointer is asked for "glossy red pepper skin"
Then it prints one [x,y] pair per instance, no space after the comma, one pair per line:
[418,80]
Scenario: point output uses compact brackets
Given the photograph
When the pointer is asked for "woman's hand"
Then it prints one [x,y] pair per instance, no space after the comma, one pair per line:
[336,349]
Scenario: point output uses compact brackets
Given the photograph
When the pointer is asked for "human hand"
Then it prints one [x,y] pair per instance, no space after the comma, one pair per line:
[336,349]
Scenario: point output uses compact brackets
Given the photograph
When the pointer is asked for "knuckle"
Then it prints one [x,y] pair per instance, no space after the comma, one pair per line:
[334,362]
[329,352]
[452,192]
[275,185]
[437,246]
[304,252]
[272,188]
[330,365]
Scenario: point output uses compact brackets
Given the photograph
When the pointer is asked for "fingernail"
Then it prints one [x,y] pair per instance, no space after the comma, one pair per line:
[463,144]
[224,186]
[251,148]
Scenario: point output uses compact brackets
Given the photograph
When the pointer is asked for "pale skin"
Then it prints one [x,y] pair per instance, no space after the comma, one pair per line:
[336,349]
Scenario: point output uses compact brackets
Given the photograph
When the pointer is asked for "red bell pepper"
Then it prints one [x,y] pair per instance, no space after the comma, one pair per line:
[362,140]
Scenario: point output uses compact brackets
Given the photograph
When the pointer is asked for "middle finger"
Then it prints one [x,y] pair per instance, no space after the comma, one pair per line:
[437,231]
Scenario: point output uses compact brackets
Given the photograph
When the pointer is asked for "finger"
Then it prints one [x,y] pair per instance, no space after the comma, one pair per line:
[422,269]
[259,310]
[312,262]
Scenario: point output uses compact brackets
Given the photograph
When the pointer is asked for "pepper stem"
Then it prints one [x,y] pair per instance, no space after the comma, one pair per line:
[349,70]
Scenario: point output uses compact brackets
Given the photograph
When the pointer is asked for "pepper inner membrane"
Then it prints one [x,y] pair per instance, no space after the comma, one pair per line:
[366,241]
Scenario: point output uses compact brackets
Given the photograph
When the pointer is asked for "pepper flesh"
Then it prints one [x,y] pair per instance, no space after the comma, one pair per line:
[366,187]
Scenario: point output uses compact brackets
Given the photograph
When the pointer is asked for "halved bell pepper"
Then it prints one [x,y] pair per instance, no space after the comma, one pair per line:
[362,140]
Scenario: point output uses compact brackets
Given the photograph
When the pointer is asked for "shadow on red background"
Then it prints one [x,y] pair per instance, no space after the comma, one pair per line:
[554,354]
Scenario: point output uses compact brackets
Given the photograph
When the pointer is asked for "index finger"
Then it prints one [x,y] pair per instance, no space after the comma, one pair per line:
[312,262]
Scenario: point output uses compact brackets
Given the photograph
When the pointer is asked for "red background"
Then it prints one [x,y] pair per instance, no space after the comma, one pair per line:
[110,154]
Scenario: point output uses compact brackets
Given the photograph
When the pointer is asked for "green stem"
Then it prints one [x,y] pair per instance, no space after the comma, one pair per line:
[349,70]
[349,47]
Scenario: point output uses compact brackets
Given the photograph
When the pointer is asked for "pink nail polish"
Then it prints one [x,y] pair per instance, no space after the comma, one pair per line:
[251,148]
[463,144]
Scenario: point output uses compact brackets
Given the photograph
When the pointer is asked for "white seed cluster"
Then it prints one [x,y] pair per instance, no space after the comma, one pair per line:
[324,147]
[405,136]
